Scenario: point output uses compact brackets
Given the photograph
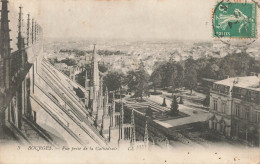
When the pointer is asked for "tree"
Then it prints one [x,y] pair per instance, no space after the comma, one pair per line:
[206,101]
[131,80]
[137,81]
[142,81]
[174,106]
[211,70]
[173,73]
[191,79]
[114,80]
[69,62]
[165,74]
[81,77]
[102,67]
[181,100]
[226,69]
[149,112]
[168,74]
[156,80]
[180,76]
[172,77]
[164,102]
[190,74]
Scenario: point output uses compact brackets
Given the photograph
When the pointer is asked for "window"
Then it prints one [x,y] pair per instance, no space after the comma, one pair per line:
[257,117]
[224,104]
[34,116]
[237,109]
[215,105]
[222,128]
[246,114]
[214,125]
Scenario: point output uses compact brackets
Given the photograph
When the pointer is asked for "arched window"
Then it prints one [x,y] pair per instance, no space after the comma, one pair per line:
[214,124]
[237,110]
[215,105]
[223,127]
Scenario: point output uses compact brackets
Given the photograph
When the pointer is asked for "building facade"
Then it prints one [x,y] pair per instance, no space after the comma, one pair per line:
[15,77]
[235,108]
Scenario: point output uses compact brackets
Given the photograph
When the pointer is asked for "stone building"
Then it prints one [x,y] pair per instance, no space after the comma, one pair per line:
[235,108]
[108,119]
[17,121]
[37,104]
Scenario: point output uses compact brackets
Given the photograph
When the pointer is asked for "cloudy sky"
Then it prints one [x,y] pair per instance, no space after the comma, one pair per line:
[122,19]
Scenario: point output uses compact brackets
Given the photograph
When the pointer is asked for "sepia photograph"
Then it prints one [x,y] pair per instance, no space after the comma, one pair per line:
[129,81]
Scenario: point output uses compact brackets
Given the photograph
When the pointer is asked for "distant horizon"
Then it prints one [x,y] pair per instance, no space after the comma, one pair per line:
[127,39]
[140,40]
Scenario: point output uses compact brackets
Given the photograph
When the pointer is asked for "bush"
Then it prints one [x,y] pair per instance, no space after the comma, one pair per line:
[174,106]
[156,93]
[206,101]
[164,102]
[181,100]
[149,112]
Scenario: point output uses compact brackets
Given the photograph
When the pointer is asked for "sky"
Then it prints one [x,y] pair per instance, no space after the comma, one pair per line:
[122,19]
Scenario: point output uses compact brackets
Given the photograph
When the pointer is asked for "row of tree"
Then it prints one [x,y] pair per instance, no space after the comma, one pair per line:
[188,73]
[171,74]
[174,75]
[136,81]
[83,52]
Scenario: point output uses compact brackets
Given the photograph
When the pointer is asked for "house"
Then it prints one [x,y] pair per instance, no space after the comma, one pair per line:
[235,108]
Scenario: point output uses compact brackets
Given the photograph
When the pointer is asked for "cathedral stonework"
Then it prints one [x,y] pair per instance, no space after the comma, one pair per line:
[108,121]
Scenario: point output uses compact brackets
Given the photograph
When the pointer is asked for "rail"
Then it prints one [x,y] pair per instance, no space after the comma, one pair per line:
[78,113]
[72,107]
[70,116]
[58,121]
[46,61]
[71,93]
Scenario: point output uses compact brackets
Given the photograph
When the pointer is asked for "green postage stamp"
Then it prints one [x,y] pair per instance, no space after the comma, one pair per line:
[235,20]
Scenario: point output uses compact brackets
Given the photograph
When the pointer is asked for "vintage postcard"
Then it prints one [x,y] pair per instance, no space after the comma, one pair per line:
[129,81]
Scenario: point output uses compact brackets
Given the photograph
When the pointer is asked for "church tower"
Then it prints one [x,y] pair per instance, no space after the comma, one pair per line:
[86,80]
[106,105]
[106,117]
[20,44]
[94,82]
[35,31]
[100,102]
[87,89]
[146,137]
[121,128]
[5,50]
[133,139]
[114,122]
[113,111]
[95,70]
[28,30]
[32,31]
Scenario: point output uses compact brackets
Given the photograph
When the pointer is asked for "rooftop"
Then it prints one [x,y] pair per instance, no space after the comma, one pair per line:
[248,82]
